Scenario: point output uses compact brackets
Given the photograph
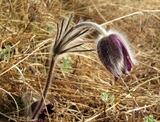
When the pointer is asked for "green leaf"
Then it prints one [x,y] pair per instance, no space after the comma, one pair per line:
[104,96]
[50,27]
[5,52]
[149,118]
[66,65]
[107,97]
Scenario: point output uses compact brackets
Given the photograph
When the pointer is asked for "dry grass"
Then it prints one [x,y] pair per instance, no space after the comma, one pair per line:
[28,28]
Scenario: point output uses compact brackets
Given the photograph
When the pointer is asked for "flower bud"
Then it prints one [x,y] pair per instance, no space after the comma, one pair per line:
[115,54]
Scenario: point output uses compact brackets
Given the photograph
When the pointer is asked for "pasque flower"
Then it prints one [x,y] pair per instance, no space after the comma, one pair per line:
[112,50]
[115,54]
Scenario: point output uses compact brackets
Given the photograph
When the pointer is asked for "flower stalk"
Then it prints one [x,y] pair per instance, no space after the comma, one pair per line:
[93,25]
[50,78]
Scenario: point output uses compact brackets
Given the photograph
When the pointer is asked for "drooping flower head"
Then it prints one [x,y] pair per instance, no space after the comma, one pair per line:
[113,50]
[115,54]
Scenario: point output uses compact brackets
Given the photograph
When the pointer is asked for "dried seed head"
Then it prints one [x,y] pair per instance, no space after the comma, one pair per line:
[115,54]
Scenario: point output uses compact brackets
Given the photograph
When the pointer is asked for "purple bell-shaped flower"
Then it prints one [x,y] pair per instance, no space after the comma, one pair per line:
[115,54]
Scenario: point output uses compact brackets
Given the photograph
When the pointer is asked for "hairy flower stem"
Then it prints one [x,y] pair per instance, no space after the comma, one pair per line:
[50,78]
[93,25]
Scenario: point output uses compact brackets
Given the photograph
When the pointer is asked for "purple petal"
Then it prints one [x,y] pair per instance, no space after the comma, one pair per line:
[126,57]
[115,54]
[127,60]
[110,53]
